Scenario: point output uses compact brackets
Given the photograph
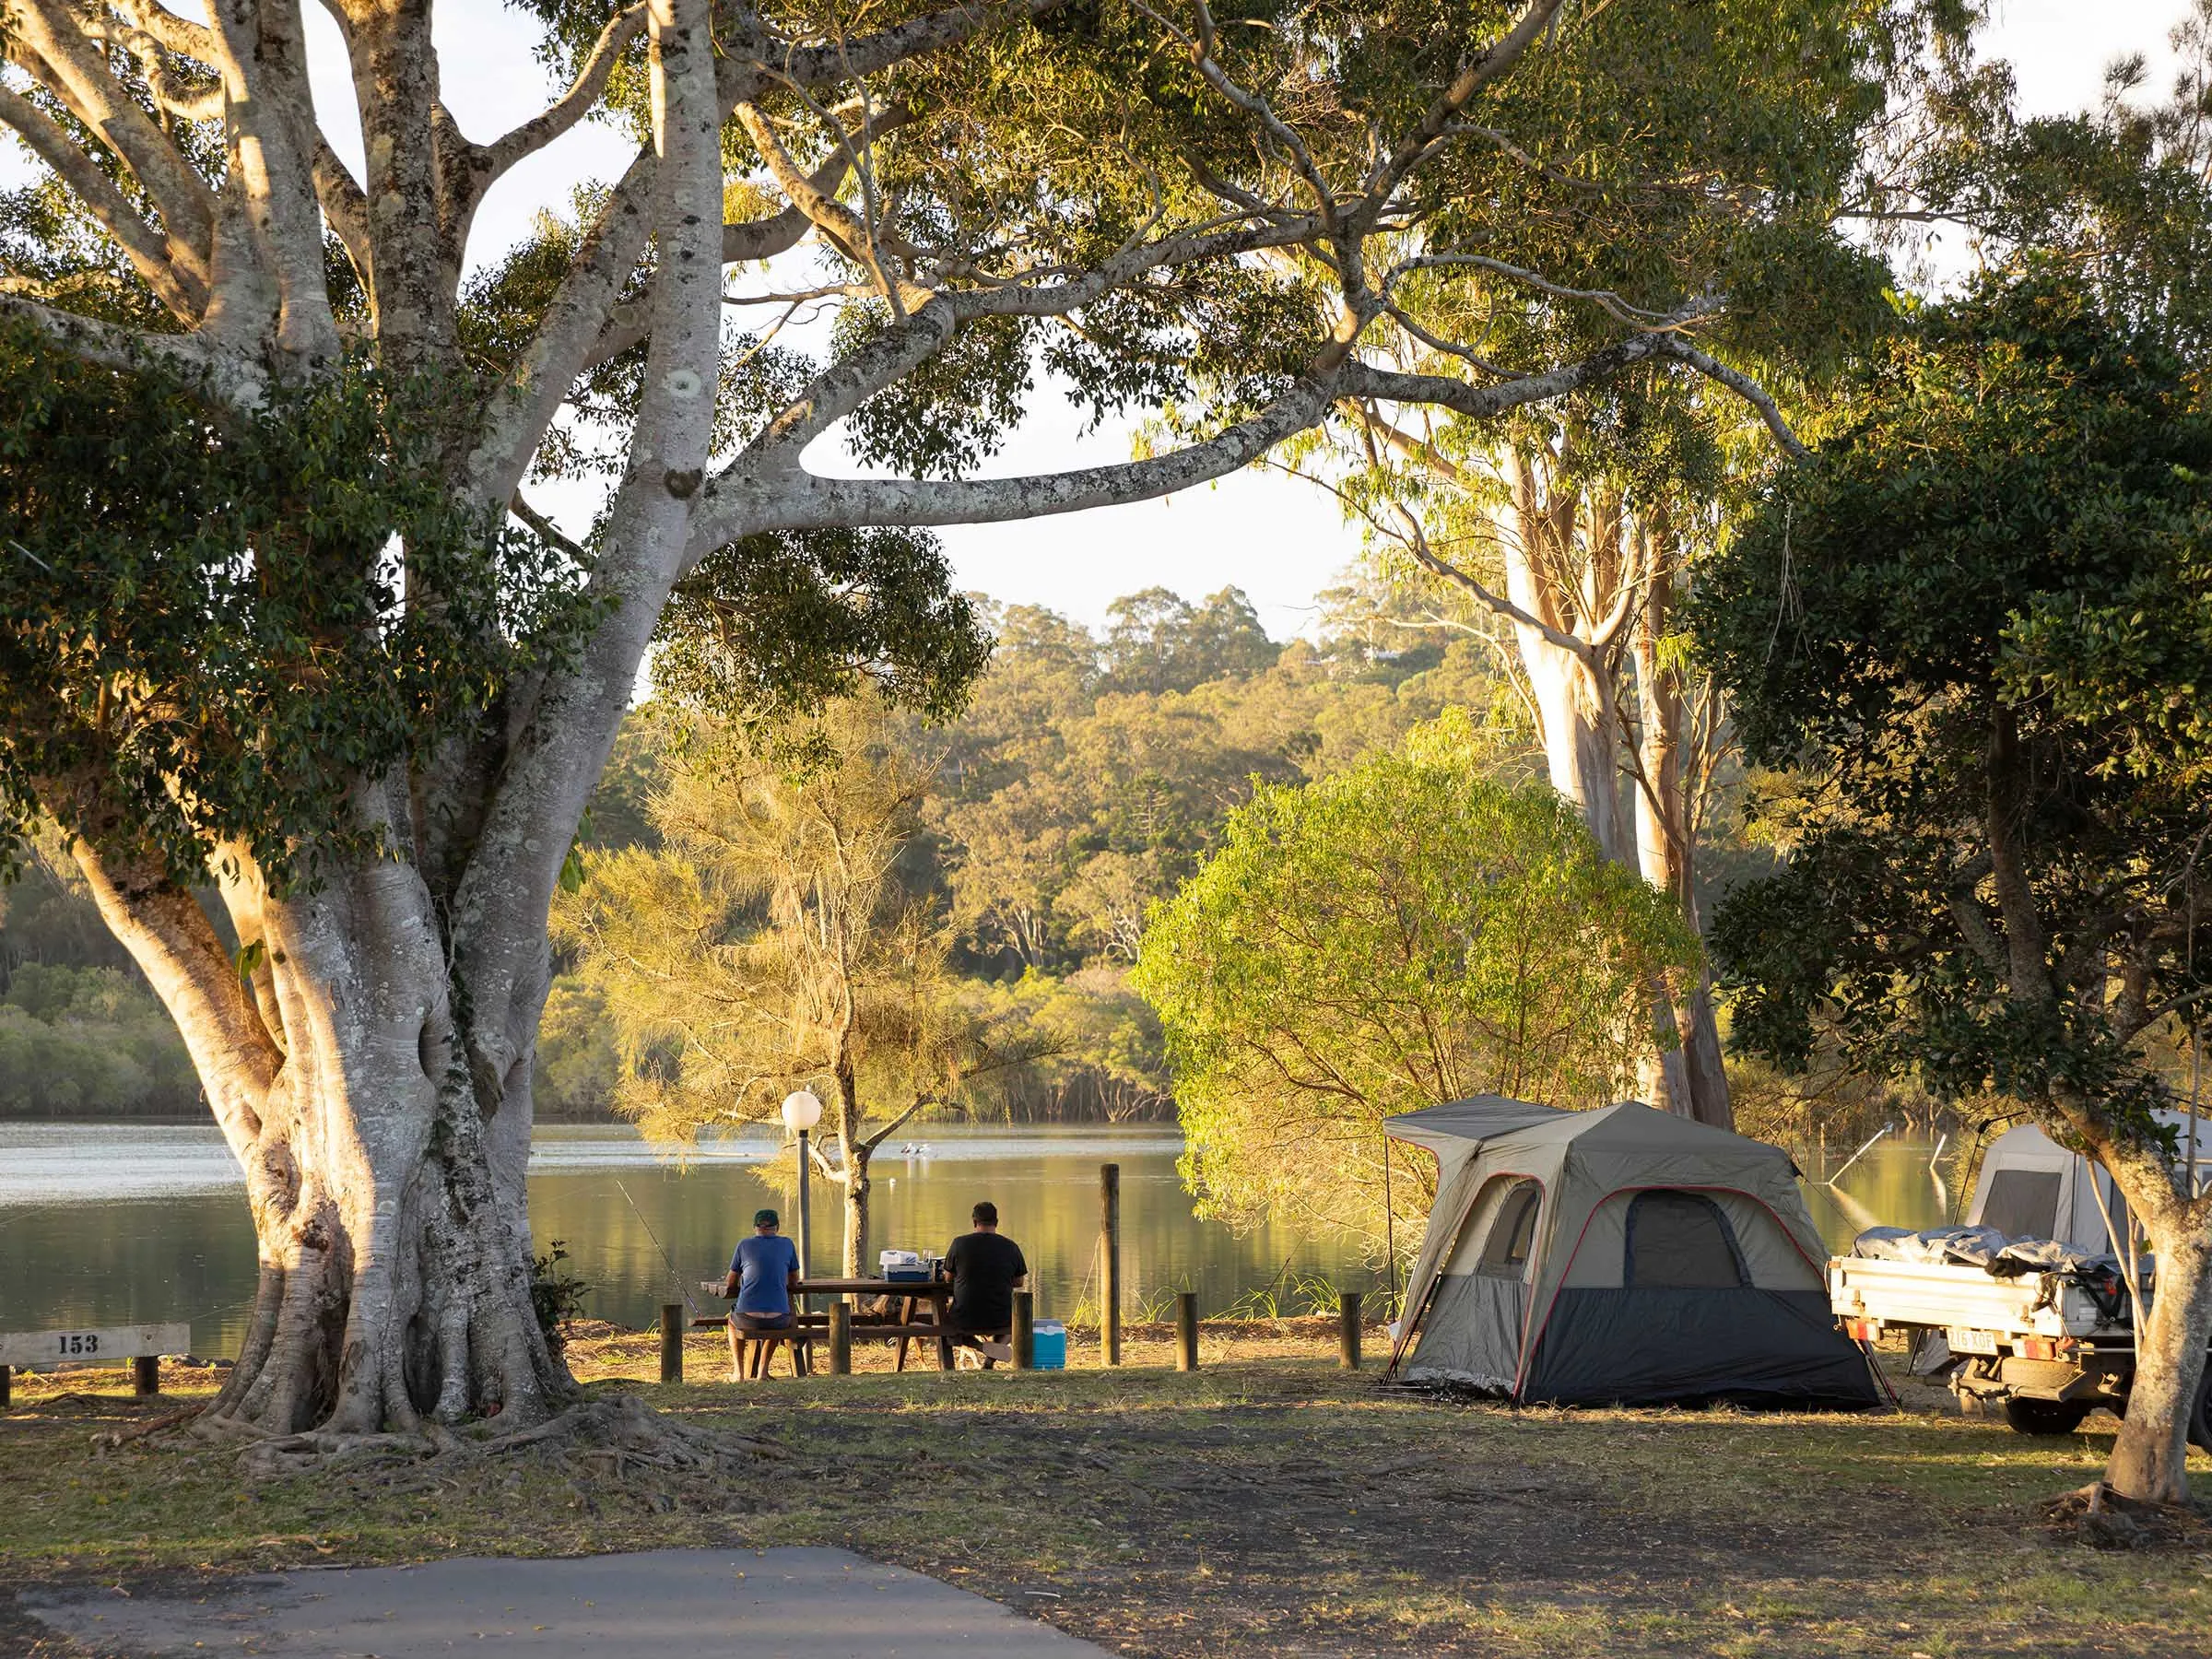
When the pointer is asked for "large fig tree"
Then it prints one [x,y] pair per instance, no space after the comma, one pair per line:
[280,617]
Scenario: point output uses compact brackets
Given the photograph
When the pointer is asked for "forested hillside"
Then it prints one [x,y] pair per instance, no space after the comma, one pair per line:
[81,1035]
[1088,776]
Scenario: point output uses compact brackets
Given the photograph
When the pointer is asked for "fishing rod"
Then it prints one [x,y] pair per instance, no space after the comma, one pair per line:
[674,1278]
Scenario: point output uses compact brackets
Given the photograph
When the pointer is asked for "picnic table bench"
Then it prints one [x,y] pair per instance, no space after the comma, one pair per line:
[916,1296]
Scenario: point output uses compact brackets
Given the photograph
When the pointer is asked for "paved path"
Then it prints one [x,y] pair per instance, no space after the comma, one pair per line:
[664,1604]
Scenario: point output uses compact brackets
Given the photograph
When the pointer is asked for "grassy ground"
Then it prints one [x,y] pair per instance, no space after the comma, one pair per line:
[1268,1504]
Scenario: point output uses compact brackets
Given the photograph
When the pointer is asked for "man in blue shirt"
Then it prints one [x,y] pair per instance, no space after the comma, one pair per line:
[763,1277]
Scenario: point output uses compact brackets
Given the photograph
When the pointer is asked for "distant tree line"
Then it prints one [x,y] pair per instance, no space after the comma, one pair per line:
[1090,775]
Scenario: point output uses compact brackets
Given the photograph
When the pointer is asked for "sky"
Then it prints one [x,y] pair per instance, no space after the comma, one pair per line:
[1278,538]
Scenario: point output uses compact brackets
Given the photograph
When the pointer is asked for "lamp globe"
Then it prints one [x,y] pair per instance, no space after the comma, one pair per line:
[802,1110]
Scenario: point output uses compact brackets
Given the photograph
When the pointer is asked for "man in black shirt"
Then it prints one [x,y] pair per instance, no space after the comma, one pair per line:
[985,1270]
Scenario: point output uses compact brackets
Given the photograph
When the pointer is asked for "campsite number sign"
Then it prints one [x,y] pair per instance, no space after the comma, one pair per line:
[82,1347]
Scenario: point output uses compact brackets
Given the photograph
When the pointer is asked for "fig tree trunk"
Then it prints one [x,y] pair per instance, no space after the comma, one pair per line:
[384,1175]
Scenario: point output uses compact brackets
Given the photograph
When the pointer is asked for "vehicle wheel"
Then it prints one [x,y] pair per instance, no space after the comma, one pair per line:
[2044,1417]
[2200,1416]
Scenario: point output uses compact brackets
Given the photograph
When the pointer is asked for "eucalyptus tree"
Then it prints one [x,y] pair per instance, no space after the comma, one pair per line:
[1565,535]
[282,616]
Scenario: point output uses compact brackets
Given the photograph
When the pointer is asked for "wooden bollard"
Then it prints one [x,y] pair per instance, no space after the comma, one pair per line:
[1186,1331]
[840,1338]
[7,1386]
[146,1375]
[1024,1330]
[1347,1331]
[672,1343]
[1110,1262]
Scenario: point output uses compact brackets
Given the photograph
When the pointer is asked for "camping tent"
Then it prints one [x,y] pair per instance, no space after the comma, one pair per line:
[1622,1255]
[2031,1187]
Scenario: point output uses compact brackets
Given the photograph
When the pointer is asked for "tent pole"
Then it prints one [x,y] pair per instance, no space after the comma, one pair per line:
[1390,1218]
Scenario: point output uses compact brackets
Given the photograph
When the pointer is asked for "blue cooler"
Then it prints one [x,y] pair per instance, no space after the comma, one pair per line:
[1048,1347]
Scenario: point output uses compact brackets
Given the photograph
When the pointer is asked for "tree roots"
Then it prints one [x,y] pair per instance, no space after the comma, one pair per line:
[621,1436]
[619,1440]
[2102,1519]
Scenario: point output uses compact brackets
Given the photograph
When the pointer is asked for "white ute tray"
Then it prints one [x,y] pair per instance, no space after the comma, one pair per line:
[1945,1294]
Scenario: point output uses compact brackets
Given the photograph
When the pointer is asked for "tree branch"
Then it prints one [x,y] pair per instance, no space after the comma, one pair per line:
[864,240]
[1476,72]
[235,379]
[183,291]
[571,107]
[1744,386]
[51,46]
[740,504]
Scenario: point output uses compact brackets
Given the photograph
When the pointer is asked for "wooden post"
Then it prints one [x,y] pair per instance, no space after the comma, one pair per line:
[1186,1331]
[1024,1330]
[7,1386]
[1110,1260]
[672,1343]
[1347,1331]
[840,1338]
[146,1375]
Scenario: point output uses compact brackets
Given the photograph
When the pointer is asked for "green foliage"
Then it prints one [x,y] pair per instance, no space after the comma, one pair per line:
[1404,933]
[1097,1048]
[556,1297]
[1067,798]
[773,626]
[214,620]
[765,944]
[1981,622]
[579,1067]
[1089,777]
[1157,641]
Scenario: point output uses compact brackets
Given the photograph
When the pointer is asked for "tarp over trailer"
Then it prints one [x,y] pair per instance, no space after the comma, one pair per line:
[1617,1256]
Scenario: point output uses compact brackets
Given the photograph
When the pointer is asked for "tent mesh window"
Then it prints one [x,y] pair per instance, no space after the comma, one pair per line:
[1681,1241]
[1514,1233]
[2022,1203]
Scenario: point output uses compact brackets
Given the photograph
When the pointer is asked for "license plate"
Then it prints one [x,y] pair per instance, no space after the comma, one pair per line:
[1964,1341]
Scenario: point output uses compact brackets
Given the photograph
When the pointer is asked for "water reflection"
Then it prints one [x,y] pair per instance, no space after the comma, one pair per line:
[1894,1183]
[111,1224]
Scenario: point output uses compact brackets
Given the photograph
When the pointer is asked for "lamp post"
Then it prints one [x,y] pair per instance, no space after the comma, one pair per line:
[802,1112]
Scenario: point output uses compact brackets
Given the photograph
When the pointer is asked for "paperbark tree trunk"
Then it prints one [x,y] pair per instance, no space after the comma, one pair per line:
[1557,648]
[858,1184]
[856,1150]
[1572,566]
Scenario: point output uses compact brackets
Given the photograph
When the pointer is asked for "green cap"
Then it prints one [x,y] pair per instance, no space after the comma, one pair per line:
[764,1218]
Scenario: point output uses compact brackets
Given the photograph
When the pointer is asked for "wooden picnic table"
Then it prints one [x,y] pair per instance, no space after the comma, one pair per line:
[912,1295]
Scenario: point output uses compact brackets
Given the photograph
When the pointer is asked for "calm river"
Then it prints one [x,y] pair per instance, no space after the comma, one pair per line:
[117,1223]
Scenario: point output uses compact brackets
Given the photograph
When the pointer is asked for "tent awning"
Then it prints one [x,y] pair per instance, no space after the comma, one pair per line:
[1473,1121]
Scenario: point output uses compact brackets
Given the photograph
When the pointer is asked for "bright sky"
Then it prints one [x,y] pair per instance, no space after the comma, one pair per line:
[1279,539]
